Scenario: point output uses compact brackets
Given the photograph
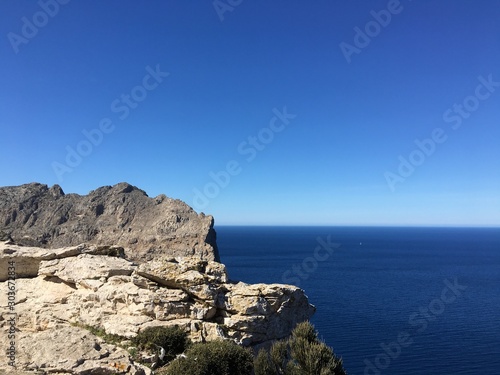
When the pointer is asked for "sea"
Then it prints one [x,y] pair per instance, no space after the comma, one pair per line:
[390,300]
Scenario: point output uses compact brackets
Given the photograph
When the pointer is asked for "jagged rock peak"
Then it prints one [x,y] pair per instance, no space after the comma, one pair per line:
[120,215]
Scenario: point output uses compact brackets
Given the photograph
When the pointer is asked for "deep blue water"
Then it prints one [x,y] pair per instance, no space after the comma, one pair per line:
[385,283]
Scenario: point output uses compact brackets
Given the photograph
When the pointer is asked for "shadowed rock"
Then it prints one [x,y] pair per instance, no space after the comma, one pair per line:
[119,215]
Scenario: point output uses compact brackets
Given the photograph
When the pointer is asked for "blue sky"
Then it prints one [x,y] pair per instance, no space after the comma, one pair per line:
[283,112]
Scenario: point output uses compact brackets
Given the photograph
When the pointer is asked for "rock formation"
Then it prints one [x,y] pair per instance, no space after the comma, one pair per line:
[59,292]
[120,215]
[118,262]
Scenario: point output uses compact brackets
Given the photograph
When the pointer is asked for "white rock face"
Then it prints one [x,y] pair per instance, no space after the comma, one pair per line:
[73,349]
[62,290]
[28,259]
[85,267]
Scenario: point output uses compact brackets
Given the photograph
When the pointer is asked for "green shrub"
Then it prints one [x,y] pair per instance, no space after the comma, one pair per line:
[173,339]
[302,354]
[101,332]
[213,358]
[272,363]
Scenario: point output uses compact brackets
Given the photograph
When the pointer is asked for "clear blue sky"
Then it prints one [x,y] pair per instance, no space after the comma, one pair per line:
[311,122]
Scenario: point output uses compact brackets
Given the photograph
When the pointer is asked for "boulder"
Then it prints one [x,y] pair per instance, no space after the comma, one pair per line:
[85,267]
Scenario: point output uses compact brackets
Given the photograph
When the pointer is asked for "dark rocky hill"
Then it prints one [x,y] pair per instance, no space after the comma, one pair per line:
[119,215]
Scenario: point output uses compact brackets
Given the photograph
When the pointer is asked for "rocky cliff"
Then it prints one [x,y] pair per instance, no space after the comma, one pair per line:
[53,299]
[60,293]
[120,215]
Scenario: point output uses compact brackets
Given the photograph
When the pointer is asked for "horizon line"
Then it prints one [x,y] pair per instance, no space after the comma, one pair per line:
[365,225]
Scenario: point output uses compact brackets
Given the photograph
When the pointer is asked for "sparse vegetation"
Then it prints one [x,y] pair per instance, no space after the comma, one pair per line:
[173,339]
[213,358]
[100,332]
[302,354]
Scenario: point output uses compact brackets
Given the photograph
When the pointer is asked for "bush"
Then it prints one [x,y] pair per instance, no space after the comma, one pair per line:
[173,339]
[302,354]
[274,362]
[213,358]
[101,332]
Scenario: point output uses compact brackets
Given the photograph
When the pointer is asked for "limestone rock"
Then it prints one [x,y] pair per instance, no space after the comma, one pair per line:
[117,261]
[120,215]
[71,350]
[201,279]
[256,311]
[85,267]
[27,259]
[77,286]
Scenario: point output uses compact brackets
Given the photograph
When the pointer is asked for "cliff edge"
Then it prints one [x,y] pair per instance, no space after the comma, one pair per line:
[61,297]
[76,271]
